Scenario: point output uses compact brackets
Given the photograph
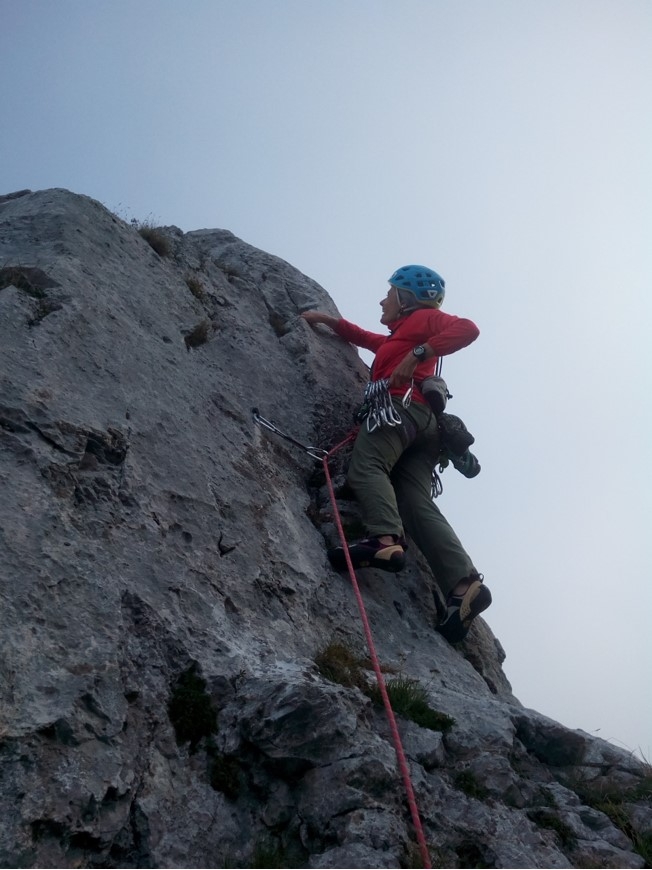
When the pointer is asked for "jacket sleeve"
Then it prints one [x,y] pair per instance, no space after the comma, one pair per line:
[450,333]
[359,337]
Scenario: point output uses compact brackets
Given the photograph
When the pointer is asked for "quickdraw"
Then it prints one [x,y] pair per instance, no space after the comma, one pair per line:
[378,409]
[316,452]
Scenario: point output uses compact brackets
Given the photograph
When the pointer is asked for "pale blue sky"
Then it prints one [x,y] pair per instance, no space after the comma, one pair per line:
[505,143]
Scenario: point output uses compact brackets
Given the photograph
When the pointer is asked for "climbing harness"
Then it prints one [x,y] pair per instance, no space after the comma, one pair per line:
[324,456]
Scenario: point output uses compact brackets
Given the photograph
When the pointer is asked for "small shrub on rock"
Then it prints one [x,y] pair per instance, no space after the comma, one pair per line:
[224,774]
[190,709]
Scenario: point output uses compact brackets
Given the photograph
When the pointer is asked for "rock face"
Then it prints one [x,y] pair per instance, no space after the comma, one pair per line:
[168,608]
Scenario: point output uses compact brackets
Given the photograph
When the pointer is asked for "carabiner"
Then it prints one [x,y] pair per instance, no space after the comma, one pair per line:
[407,398]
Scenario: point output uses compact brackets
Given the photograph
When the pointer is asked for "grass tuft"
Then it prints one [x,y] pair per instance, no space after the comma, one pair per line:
[611,797]
[340,664]
[154,236]
[199,335]
[29,279]
[410,700]
[196,288]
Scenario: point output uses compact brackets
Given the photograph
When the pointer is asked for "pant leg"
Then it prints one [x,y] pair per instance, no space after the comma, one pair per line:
[424,522]
[374,455]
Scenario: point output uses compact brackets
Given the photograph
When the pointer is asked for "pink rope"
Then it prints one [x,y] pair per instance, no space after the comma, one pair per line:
[398,746]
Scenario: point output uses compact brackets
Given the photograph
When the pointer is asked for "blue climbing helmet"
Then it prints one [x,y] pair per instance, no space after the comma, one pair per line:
[424,283]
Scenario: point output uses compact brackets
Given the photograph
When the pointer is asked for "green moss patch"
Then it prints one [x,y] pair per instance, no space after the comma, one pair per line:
[552,822]
[468,782]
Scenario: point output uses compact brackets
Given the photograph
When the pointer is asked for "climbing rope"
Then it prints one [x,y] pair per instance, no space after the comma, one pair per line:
[324,456]
[396,737]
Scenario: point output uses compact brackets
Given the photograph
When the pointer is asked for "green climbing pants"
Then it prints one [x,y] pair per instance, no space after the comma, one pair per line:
[390,472]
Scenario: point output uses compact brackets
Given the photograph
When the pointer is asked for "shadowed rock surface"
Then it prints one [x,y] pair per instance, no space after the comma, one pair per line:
[165,591]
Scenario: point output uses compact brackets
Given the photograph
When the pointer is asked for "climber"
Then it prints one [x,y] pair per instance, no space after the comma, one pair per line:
[391,465]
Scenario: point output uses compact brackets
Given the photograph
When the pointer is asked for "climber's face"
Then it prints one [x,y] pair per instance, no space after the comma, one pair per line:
[391,306]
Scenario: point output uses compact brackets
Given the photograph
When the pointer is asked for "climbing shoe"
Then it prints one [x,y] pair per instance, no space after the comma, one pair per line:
[461,610]
[370,553]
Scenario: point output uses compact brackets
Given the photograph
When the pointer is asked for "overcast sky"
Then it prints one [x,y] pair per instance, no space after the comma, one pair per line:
[506,144]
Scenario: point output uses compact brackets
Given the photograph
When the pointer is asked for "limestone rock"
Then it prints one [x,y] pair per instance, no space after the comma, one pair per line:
[166,592]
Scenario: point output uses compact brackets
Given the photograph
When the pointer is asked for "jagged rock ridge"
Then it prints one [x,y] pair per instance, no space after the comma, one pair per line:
[166,592]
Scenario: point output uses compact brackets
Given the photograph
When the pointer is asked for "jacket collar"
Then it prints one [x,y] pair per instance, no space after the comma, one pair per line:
[401,320]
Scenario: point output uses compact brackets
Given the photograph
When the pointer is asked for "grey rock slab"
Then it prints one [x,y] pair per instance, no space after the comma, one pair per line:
[150,530]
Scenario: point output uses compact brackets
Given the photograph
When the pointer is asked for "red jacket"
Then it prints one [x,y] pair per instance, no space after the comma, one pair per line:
[445,334]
